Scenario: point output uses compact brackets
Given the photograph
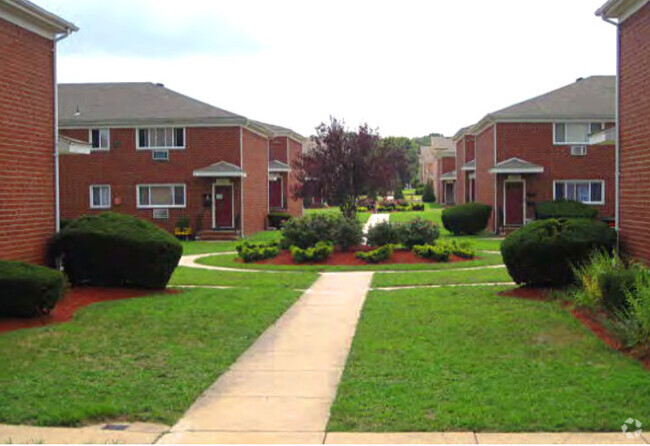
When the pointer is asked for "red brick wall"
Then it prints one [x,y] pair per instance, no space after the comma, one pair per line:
[256,183]
[634,134]
[123,167]
[27,190]
[294,205]
[278,148]
[468,147]
[484,155]
[533,142]
[460,175]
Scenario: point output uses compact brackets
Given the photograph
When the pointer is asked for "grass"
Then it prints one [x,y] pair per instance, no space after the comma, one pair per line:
[453,359]
[229,261]
[205,247]
[143,359]
[195,276]
[439,278]
[361,216]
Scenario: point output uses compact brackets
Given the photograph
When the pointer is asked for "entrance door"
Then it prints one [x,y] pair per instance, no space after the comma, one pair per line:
[275,193]
[223,212]
[514,202]
[449,193]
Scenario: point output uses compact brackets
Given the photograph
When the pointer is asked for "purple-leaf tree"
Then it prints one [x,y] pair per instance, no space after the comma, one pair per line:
[342,165]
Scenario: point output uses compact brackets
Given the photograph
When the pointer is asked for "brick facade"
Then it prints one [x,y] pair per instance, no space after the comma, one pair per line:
[634,133]
[256,183]
[485,181]
[27,178]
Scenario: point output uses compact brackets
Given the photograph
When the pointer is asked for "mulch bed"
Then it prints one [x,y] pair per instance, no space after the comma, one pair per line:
[74,299]
[592,320]
[347,258]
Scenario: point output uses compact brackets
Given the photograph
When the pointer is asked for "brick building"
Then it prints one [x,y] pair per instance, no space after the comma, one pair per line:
[633,130]
[437,165]
[465,166]
[539,150]
[28,149]
[160,155]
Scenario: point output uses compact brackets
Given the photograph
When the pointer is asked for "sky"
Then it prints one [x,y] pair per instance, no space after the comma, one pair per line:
[407,68]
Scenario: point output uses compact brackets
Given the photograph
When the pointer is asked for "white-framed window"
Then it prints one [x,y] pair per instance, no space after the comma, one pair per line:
[160,138]
[100,196]
[160,196]
[575,132]
[584,191]
[100,139]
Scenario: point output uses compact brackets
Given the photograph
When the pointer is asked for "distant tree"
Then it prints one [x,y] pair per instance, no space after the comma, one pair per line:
[428,196]
[425,140]
[409,169]
[343,165]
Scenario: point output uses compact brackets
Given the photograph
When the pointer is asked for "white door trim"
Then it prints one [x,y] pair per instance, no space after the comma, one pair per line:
[232,204]
[505,204]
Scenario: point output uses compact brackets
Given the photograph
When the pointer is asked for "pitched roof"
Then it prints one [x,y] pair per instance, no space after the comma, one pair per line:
[135,103]
[591,98]
[441,142]
[220,169]
[34,18]
[451,175]
[516,165]
[277,130]
[471,165]
[278,166]
[620,9]
[459,134]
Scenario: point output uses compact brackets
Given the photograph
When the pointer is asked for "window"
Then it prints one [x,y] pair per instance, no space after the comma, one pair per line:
[161,196]
[161,138]
[100,196]
[100,139]
[588,192]
[574,132]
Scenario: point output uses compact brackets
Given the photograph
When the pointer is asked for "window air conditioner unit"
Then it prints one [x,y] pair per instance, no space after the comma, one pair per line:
[160,155]
[161,214]
[578,150]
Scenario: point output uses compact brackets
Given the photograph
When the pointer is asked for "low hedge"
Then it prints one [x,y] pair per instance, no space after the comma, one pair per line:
[439,252]
[317,253]
[466,219]
[542,253]
[376,255]
[112,249]
[253,251]
[563,209]
[28,290]
[306,231]
[277,219]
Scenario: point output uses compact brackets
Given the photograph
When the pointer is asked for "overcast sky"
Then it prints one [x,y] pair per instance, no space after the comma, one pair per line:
[405,67]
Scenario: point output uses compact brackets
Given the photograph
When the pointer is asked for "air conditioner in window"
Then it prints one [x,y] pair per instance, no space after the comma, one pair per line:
[161,214]
[578,150]
[160,155]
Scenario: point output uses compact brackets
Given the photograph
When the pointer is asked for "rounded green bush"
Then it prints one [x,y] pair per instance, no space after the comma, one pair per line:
[418,232]
[466,219]
[564,209]
[28,290]
[383,233]
[114,249]
[542,253]
[305,232]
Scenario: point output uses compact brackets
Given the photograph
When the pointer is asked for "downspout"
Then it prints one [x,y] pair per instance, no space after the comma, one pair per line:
[57,199]
[617,162]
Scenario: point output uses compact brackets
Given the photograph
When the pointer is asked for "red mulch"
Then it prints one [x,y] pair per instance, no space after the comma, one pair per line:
[593,321]
[348,259]
[75,298]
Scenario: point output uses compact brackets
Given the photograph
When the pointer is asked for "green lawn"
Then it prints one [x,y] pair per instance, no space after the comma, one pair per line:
[452,359]
[229,261]
[196,276]
[441,277]
[204,247]
[142,359]
[361,216]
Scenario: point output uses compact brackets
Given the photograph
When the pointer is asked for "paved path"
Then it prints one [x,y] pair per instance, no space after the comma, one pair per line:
[372,221]
[282,387]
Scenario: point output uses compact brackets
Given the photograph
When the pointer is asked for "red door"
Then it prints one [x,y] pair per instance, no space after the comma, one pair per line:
[514,203]
[275,193]
[223,206]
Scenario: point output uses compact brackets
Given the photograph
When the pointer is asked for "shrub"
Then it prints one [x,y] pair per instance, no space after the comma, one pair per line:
[377,255]
[439,252]
[362,209]
[308,230]
[587,274]
[614,286]
[252,251]
[563,209]
[113,249]
[417,206]
[417,232]
[183,222]
[366,202]
[543,252]
[348,233]
[28,290]
[470,218]
[463,249]
[383,233]
[277,219]
[399,194]
[403,208]
[428,196]
[418,190]
[387,204]
[318,253]
[633,323]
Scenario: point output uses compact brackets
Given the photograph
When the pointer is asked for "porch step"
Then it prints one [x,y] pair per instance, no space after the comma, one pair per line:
[217,235]
[507,230]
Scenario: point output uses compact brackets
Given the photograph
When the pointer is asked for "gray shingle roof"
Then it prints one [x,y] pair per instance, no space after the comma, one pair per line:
[451,175]
[220,169]
[516,165]
[591,98]
[278,166]
[134,103]
[471,165]
[277,130]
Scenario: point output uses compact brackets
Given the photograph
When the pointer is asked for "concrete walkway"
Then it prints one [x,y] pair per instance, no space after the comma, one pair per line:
[372,221]
[282,387]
